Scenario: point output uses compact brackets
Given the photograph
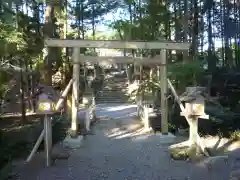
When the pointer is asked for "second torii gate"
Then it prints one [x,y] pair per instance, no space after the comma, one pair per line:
[78,59]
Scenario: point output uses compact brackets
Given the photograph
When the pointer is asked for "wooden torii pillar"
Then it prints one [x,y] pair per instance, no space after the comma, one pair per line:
[75,91]
[164,90]
[161,45]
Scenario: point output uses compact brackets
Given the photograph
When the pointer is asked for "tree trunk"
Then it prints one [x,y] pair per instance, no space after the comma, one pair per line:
[177,16]
[185,34]
[22,91]
[228,51]
[195,44]
[49,32]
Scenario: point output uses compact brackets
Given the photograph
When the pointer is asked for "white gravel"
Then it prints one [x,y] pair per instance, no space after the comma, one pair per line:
[107,155]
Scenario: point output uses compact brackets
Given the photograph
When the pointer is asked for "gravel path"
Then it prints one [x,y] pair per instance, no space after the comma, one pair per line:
[119,150]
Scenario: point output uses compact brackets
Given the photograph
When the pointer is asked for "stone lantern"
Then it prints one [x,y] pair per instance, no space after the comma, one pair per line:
[45,104]
[194,109]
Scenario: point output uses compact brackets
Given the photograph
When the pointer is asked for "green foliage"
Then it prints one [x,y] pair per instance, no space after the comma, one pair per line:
[183,75]
[3,90]
[180,74]
[32,35]
[235,136]
[9,37]
[146,86]
[3,86]
[24,40]
[90,11]
[20,43]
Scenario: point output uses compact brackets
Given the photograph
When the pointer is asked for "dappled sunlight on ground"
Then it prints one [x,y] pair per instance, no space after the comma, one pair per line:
[118,110]
[120,148]
[129,131]
[139,134]
[122,122]
[123,107]
[127,116]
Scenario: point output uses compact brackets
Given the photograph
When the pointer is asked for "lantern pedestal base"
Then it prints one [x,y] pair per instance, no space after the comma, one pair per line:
[73,134]
[73,143]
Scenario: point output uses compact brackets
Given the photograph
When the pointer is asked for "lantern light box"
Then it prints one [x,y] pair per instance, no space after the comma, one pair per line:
[45,104]
[196,107]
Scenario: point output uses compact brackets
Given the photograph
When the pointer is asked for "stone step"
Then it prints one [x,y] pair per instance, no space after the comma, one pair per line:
[115,101]
[114,90]
[112,96]
[112,100]
[117,91]
[109,99]
[111,92]
[115,98]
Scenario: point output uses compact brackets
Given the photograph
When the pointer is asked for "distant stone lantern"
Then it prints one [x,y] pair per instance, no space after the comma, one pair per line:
[86,100]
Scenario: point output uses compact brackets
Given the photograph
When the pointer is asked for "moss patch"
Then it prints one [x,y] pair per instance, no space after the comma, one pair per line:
[185,153]
[235,136]
[179,154]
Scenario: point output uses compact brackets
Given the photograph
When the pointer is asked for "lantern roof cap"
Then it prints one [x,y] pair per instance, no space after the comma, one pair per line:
[48,90]
[193,93]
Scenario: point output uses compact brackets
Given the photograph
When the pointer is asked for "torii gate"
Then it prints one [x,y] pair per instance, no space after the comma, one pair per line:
[112,44]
